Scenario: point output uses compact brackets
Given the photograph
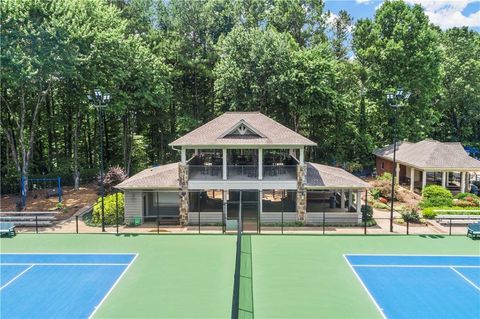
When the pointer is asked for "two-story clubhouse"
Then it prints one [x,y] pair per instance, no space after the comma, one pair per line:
[247,161]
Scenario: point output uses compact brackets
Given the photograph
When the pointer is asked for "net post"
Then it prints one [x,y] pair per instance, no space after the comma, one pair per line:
[76,223]
[158,225]
[36,224]
[450,227]
[408,227]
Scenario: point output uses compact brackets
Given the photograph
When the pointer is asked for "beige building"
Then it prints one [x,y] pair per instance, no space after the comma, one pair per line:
[429,162]
[243,161]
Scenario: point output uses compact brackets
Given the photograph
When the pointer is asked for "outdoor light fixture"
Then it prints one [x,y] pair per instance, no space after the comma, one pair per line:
[400,98]
[100,101]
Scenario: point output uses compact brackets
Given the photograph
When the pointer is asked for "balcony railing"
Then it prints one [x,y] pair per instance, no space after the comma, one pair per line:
[205,172]
[242,172]
[279,172]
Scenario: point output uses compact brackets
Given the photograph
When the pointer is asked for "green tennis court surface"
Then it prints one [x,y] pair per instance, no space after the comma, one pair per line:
[191,276]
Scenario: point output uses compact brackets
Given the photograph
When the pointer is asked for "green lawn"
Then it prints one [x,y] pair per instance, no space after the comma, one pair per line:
[191,276]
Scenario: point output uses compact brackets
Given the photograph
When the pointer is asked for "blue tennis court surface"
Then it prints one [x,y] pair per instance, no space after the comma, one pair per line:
[405,286]
[57,285]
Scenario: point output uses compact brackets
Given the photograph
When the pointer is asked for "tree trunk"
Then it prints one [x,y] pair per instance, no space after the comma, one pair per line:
[76,170]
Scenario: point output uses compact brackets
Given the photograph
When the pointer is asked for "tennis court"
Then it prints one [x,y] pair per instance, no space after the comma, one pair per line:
[58,285]
[192,276]
[406,286]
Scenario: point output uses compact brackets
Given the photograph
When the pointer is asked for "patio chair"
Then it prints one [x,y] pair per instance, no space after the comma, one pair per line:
[7,228]
[474,230]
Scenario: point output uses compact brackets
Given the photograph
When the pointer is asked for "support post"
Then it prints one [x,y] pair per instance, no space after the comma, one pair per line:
[364,214]
[424,179]
[282,214]
[199,209]
[36,224]
[412,179]
[462,182]
[302,156]
[260,163]
[397,173]
[224,164]
[183,155]
[76,223]
[444,179]
[342,198]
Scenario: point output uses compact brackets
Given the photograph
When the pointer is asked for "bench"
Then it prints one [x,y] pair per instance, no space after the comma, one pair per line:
[473,230]
[7,229]
[457,219]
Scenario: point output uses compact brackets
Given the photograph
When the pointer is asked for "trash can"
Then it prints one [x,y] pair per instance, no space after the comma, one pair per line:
[137,221]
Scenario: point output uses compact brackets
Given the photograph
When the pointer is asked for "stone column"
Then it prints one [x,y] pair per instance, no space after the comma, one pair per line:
[424,179]
[444,179]
[462,182]
[350,199]
[342,198]
[183,179]
[301,193]
[302,156]
[412,179]
[359,205]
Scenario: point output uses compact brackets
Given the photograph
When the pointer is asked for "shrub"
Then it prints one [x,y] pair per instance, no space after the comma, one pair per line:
[375,193]
[410,216]
[465,196]
[385,177]
[434,195]
[380,205]
[368,211]
[464,203]
[110,206]
[429,213]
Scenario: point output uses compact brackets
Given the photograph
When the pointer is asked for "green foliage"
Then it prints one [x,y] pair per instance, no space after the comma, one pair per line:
[376,193]
[381,205]
[463,196]
[367,211]
[434,196]
[431,213]
[385,177]
[410,215]
[109,210]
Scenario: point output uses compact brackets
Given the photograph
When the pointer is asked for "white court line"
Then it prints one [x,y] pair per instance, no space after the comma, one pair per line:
[113,286]
[62,264]
[42,253]
[365,287]
[402,255]
[16,277]
[468,280]
[415,266]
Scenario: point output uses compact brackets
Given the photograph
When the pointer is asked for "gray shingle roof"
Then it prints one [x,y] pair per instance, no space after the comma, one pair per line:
[164,176]
[271,132]
[323,176]
[431,154]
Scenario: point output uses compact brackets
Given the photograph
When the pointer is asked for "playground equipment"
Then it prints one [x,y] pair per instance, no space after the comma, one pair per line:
[56,190]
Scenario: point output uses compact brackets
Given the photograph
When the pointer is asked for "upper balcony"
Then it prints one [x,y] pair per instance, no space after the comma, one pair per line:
[243,165]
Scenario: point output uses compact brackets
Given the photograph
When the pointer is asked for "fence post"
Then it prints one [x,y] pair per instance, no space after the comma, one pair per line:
[408,227]
[323,224]
[116,209]
[450,227]
[76,223]
[36,224]
[282,214]
[199,209]
[364,214]
[158,225]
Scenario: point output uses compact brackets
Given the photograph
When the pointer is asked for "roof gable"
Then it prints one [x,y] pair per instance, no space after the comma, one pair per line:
[431,154]
[242,128]
[267,132]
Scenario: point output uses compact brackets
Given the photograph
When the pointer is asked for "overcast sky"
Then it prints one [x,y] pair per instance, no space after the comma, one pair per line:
[444,13]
